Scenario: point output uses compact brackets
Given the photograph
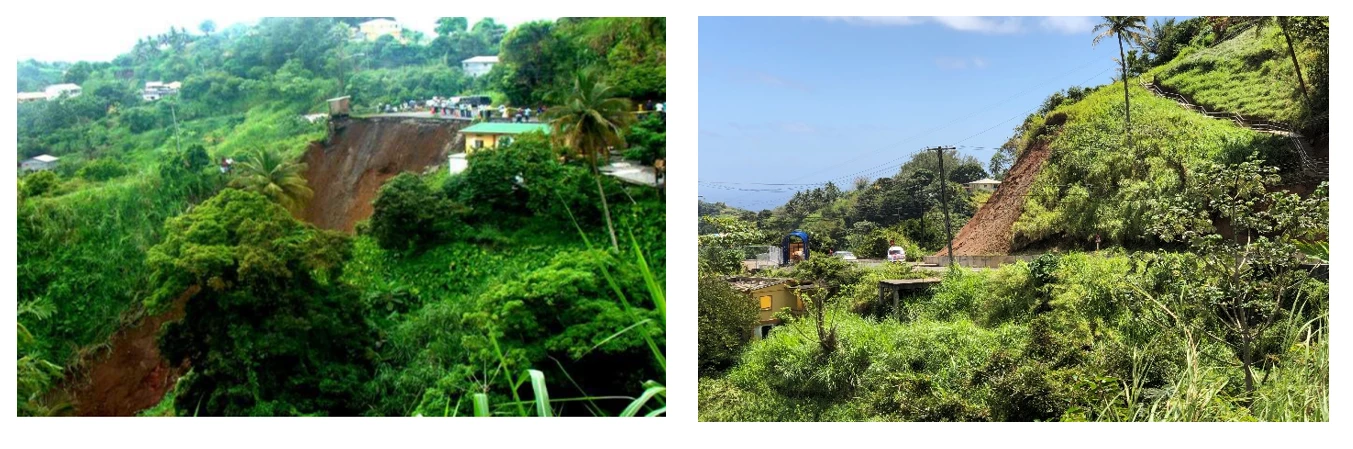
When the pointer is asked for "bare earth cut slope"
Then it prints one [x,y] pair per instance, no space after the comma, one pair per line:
[988,232]
[361,154]
[130,375]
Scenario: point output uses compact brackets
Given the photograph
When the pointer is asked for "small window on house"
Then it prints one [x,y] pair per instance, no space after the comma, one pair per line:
[765,302]
[478,144]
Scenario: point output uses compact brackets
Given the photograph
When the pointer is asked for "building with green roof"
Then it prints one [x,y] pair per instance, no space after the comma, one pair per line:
[491,135]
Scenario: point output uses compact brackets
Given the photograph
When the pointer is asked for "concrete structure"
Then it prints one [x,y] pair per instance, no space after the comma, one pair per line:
[893,289]
[492,135]
[457,163]
[340,107]
[976,261]
[43,162]
[982,185]
[156,90]
[25,97]
[374,29]
[57,90]
[771,295]
[478,65]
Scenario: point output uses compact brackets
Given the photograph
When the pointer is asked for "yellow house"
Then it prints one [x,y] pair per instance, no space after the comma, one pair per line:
[491,135]
[770,295]
[374,29]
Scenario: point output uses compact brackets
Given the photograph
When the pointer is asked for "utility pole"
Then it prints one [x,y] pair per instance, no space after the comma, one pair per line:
[175,116]
[944,201]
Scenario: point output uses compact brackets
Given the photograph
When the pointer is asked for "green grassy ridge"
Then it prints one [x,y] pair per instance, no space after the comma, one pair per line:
[1249,74]
[1095,183]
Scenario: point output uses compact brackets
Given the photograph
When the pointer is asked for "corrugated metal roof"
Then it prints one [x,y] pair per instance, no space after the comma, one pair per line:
[507,128]
[45,158]
[985,181]
[493,59]
[747,284]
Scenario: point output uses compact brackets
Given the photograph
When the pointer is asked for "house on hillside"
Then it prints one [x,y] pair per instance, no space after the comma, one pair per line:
[478,65]
[25,97]
[374,29]
[982,185]
[57,90]
[156,90]
[492,135]
[770,295]
[43,162]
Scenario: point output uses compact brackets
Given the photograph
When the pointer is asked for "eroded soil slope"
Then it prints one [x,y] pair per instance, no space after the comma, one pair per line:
[362,153]
[988,232]
[129,375]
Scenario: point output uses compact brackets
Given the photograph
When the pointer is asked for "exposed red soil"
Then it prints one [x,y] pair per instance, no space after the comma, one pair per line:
[988,232]
[129,375]
[346,172]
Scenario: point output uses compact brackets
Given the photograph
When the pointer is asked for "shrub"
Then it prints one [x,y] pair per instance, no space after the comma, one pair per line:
[39,183]
[407,213]
[725,317]
[102,169]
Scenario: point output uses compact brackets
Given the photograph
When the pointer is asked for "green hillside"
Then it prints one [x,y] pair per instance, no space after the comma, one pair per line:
[441,303]
[1208,301]
[1250,74]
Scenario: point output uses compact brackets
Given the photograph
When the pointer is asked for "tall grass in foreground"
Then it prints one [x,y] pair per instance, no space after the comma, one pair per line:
[650,402]
[1296,388]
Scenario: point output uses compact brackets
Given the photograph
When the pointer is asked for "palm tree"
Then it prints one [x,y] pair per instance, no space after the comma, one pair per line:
[268,173]
[1291,51]
[589,119]
[1133,29]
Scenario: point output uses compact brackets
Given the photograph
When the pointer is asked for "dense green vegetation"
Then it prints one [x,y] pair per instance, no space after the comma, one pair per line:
[434,307]
[1210,305]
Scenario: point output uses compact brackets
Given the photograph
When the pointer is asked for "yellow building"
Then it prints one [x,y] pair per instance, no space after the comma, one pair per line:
[770,295]
[374,29]
[491,135]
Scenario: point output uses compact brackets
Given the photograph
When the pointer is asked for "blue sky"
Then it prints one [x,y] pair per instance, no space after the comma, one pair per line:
[803,99]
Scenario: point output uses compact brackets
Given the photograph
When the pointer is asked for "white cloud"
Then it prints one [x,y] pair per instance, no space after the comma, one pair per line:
[979,24]
[1068,24]
[952,63]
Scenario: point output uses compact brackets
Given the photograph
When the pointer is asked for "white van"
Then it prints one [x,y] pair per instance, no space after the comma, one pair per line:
[897,254]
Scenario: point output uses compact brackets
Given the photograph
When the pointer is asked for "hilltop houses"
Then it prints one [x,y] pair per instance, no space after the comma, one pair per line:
[51,93]
[156,90]
[982,185]
[478,65]
[374,29]
[42,162]
[492,135]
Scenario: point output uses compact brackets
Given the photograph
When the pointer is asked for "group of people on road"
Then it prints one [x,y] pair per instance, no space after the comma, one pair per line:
[446,107]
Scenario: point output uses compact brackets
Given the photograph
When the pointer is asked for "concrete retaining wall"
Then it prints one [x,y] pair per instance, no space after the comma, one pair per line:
[977,261]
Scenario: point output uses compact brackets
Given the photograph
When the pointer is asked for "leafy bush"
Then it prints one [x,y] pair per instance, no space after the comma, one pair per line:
[39,183]
[266,328]
[726,317]
[407,213]
[102,169]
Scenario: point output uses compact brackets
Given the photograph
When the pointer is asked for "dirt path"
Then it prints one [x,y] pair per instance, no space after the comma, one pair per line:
[988,232]
[346,173]
[130,375]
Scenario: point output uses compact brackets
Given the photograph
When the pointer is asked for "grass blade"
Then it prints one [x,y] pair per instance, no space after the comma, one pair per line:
[481,405]
[542,393]
[638,403]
